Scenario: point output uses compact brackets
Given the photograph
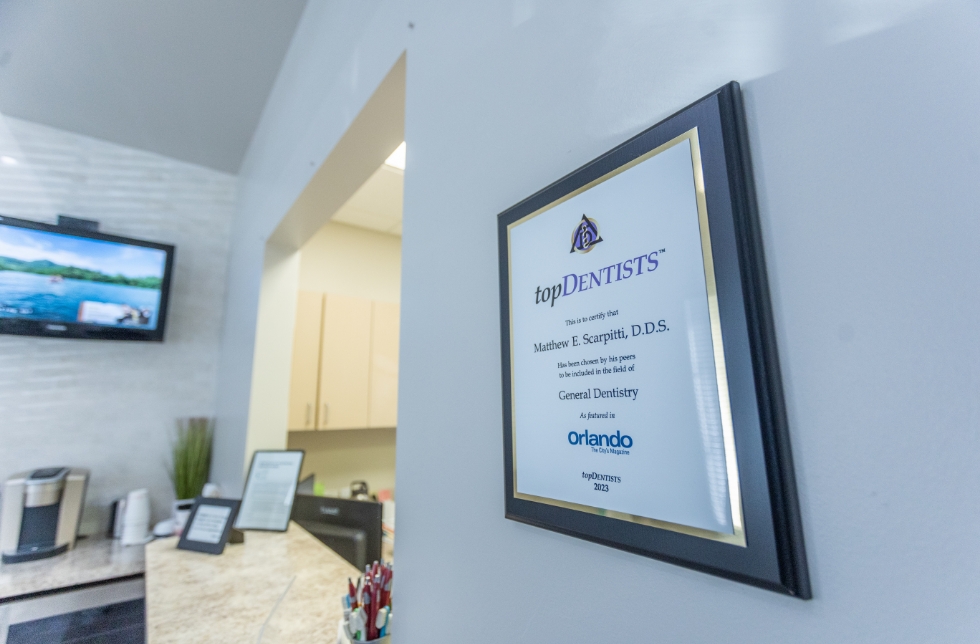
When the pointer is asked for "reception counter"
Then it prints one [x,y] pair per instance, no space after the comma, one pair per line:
[232,597]
[92,562]
[96,572]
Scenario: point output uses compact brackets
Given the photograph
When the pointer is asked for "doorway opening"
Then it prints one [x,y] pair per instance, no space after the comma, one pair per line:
[325,368]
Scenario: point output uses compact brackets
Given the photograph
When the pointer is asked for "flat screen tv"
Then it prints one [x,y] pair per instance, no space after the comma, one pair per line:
[71,283]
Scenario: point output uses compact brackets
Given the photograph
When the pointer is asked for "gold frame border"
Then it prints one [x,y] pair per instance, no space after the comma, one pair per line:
[737,537]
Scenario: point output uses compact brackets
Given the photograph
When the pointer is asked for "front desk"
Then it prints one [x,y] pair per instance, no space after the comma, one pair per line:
[235,596]
[97,572]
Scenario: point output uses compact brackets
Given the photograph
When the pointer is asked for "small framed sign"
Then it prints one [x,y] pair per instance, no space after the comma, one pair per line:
[209,525]
[270,490]
[642,400]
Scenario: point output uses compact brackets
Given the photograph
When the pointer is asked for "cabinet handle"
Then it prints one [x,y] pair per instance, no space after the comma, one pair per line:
[309,412]
[325,407]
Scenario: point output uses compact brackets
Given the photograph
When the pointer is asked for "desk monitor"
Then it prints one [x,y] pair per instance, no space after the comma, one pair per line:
[269,490]
[350,528]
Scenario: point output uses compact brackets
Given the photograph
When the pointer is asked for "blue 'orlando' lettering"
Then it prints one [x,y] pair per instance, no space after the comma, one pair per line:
[601,440]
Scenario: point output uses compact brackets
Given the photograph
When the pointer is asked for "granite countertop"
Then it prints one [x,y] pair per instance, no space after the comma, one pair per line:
[92,560]
[196,597]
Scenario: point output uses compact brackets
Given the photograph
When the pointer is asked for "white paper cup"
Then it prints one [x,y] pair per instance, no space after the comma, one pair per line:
[136,519]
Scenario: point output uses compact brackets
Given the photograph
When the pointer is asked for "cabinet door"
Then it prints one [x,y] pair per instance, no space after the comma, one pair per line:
[306,360]
[383,410]
[344,363]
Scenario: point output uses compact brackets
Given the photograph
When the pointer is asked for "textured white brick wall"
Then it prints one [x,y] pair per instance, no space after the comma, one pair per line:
[111,406]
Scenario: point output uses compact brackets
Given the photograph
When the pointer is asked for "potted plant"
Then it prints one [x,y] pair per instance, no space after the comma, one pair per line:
[190,464]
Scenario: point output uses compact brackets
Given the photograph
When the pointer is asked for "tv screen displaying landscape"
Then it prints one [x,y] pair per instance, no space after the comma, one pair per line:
[58,277]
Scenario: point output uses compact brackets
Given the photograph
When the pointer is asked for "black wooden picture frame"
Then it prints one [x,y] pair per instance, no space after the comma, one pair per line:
[772,556]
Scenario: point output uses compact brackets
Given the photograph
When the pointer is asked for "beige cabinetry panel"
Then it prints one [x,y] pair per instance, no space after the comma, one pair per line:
[306,361]
[383,395]
[345,363]
[345,360]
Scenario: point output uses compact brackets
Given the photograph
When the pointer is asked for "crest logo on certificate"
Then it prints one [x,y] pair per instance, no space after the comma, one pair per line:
[620,355]
[586,236]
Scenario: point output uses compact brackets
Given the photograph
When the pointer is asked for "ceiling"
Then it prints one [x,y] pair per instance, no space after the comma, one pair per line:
[377,204]
[184,78]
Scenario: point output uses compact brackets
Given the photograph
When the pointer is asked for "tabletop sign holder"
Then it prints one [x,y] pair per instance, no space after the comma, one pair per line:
[642,401]
[270,490]
[209,526]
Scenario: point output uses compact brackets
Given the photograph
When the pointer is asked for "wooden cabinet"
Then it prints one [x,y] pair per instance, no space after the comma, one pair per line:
[345,354]
[345,363]
[383,390]
[306,361]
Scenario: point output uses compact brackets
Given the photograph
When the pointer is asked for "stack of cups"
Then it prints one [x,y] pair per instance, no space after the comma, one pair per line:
[136,518]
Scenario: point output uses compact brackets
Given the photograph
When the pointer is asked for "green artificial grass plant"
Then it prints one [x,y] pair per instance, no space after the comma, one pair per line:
[191,453]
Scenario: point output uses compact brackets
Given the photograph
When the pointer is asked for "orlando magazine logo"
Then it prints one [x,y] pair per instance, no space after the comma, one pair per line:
[585,236]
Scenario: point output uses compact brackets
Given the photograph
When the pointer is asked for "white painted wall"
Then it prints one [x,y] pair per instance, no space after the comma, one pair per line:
[867,156]
[111,406]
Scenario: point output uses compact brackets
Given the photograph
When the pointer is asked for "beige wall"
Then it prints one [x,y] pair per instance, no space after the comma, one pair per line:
[360,263]
[338,259]
[339,457]
[269,406]
[352,261]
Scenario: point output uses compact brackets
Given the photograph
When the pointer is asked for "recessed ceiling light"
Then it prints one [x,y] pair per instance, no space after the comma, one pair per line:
[12,161]
[397,158]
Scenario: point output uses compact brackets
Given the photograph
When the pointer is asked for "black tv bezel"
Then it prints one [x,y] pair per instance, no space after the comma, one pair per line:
[78,330]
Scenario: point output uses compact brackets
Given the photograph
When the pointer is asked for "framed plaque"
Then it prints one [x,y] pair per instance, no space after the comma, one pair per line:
[643,408]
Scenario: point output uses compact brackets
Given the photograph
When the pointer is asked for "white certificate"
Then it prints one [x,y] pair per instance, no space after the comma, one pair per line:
[269,491]
[619,389]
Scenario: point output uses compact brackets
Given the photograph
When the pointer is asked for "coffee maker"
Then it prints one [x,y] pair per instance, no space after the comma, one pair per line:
[40,513]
